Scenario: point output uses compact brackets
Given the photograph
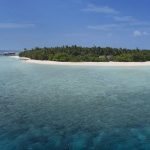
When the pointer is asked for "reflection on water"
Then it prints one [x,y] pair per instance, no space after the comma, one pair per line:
[73,108]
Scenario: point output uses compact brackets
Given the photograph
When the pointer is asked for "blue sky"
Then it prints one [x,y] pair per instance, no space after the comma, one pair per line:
[115,23]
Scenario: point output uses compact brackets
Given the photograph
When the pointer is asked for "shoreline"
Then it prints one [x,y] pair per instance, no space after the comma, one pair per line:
[105,64]
[21,58]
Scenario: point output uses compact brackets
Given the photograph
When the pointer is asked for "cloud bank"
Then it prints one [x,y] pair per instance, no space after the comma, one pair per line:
[100,9]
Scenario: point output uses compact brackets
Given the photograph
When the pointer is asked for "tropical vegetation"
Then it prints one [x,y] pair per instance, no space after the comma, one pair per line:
[86,54]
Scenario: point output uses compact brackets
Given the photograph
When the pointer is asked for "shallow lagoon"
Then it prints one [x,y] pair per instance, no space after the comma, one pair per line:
[46,107]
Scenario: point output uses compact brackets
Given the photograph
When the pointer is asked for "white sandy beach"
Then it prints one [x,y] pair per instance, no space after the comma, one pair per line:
[90,63]
[21,58]
[117,64]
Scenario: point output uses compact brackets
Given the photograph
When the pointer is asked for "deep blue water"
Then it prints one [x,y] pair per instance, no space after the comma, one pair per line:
[46,107]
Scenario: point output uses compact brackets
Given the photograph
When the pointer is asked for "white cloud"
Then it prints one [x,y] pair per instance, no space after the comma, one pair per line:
[124,19]
[138,33]
[123,26]
[100,9]
[103,27]
[15,25]
[140,24]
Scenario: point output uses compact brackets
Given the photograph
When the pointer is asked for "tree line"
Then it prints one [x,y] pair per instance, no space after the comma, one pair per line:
[86,54]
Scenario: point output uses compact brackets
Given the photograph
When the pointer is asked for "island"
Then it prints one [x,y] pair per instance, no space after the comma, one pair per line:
[86,54]
[3,53]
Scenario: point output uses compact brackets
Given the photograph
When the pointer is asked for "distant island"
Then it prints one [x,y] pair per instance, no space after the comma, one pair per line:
[86,54]
[4,53]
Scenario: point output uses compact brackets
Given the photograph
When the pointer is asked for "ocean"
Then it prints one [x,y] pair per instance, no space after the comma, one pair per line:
[48,107]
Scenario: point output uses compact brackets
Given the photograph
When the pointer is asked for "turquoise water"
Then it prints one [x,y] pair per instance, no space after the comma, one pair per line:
[73,108]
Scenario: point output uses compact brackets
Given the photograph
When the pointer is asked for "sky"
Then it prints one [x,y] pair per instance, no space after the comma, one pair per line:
[49,23]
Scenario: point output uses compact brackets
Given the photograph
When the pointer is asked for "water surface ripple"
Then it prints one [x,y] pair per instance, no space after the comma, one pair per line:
[73,108]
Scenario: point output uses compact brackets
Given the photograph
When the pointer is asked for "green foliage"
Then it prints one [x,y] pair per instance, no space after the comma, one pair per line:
[82,54]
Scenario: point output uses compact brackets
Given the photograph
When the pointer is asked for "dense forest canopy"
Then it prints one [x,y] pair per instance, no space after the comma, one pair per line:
[86,54]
